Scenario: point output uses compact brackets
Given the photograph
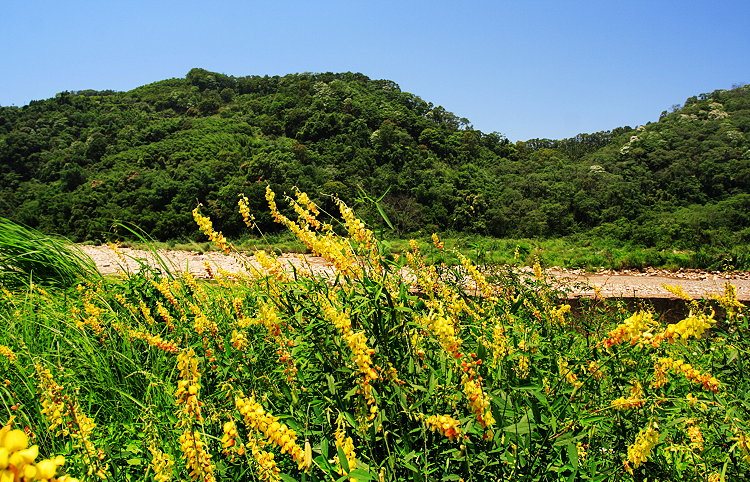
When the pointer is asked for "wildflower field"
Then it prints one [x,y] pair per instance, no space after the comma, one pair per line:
[389,369]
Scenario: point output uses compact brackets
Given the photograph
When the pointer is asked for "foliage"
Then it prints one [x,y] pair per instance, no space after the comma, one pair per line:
[381,370]
[30,257]
[77,163]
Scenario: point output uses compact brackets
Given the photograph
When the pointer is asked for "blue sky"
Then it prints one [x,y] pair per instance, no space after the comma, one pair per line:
[522,68]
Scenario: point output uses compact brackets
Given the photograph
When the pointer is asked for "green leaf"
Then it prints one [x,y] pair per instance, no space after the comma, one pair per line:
[522,427]
[343,462]
[331,384]
[572,454]
[360,474]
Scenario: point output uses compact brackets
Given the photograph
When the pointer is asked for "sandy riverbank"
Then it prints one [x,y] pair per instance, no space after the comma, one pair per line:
[631,284]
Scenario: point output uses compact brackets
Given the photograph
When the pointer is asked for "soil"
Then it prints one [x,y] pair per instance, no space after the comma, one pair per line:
[605,283]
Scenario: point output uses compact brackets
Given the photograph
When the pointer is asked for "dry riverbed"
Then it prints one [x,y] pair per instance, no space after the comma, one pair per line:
[629,284]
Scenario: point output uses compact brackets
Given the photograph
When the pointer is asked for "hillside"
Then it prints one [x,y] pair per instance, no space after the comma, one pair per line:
[75,163]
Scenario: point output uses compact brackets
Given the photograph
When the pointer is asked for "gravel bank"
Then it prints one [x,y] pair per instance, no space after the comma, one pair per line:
[628,284]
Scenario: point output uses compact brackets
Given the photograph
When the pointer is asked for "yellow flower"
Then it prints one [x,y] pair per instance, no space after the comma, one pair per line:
[564,369]
[480,282]
[162,464]
[499,345]
[522,368]
[239,341]
[7,353]
[201,323]
[346,444]
[635,400]
[479,402]
[256,418]
[631,330]
[678,291]
[188,386]
[360,234]
[692,326]
[244,207]
[206,226]
[729,301]
[357,343]
[446,425]
[306,210]
[557,314]
[268,471]
[338,251]
[695,435]
[155,340]
[229,440]
[639,452]
[444,331]
[17,459]
[437,242]
[664,364]
[197,457]
[581,449]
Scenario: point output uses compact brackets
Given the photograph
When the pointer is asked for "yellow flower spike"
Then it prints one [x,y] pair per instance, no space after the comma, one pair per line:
[206,226]
[244,208]
[664,364]
[479,402]
[197,458]
[631,330]
[3,458]
[346,444]
[267,469]
[446,425]
[480,281]
[635,400]
[558,313]
[678,291]
[696,436]
[162,464]
[692,326]
[256,418]
[729,301]
[639,452]
[7,353]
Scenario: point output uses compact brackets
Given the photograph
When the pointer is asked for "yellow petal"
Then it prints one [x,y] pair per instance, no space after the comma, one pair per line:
[29,472]
[24,457]
[3,432]
[46,469]
[16,440]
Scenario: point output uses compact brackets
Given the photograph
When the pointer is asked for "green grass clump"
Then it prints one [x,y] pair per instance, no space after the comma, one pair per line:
[28,256]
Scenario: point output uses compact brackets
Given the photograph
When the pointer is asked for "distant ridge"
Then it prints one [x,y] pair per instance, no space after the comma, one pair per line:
[75,163]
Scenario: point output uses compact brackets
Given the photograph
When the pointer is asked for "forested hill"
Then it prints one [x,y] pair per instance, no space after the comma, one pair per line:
[76,163]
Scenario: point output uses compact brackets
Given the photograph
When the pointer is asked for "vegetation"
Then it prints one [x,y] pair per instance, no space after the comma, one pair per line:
[79,162]
[29,257]
[366,375]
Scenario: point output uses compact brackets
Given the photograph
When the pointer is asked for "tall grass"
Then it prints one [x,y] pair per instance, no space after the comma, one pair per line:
[28,256]
[393,369]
